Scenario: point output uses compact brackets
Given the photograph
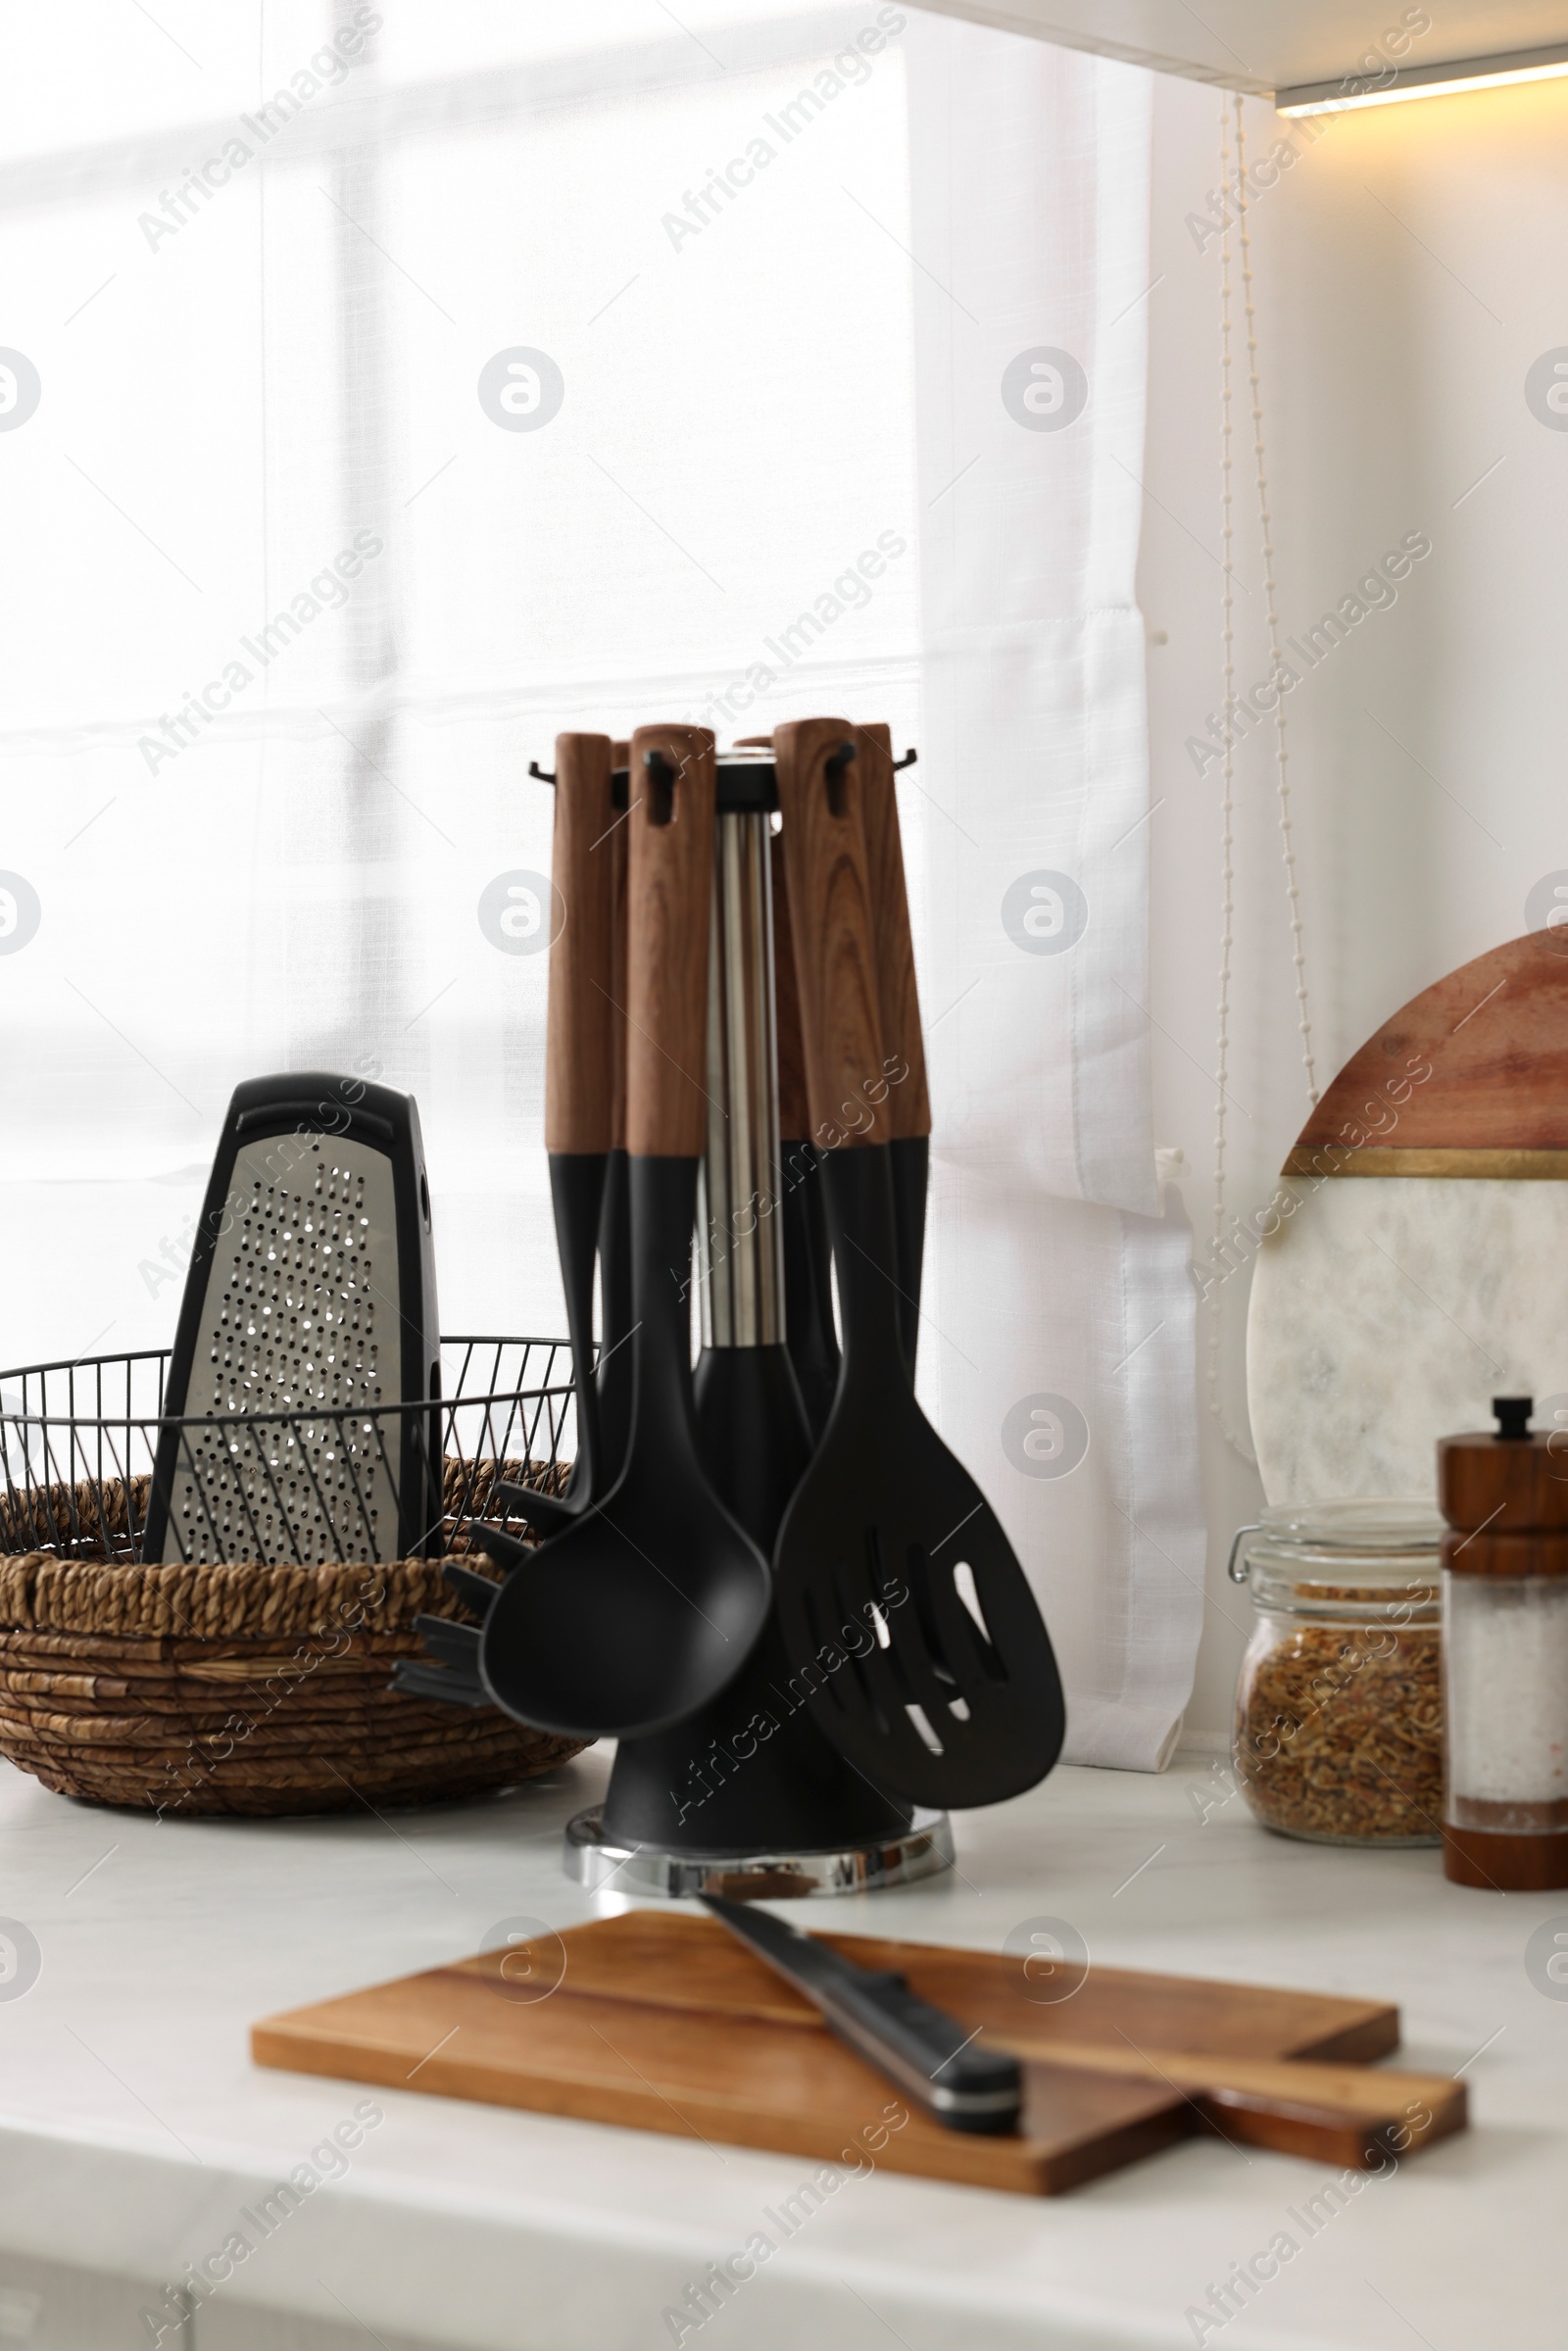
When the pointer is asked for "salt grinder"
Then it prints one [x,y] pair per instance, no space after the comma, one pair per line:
[1504,1495]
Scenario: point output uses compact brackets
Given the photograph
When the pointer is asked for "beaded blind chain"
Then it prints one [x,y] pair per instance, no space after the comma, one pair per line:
[1228,815]
[1282,756]
[1222,1219]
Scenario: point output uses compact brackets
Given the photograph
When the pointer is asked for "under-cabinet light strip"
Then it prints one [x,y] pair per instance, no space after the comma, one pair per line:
[1424,81]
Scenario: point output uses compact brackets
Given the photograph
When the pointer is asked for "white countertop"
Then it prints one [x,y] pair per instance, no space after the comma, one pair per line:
[133,2126]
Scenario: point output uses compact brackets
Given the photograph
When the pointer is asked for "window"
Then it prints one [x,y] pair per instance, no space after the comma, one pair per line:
[298,588]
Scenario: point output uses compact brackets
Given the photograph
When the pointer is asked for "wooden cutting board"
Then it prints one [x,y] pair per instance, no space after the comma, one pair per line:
[1387,1311]
[660,2021]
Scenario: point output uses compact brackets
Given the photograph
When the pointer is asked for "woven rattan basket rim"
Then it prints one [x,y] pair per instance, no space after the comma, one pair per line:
[156,1601]
[245,1689]
[40,1592]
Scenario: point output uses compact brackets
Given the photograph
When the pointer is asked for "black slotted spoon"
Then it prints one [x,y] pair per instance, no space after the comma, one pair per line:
[906,1614]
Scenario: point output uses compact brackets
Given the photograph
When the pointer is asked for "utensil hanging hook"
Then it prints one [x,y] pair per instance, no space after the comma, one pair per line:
[833,773]
[661,781]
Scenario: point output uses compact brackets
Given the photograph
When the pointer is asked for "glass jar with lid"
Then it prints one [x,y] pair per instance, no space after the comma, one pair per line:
[1339,1706]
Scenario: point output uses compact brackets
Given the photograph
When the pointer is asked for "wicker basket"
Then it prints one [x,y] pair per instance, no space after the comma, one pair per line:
[238,1689]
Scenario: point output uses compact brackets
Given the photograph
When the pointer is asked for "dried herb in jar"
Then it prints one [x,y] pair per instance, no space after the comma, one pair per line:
[1338,1706]
[1340,1735]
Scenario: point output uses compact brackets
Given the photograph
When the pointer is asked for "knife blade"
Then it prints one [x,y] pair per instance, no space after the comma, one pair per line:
[920,2048]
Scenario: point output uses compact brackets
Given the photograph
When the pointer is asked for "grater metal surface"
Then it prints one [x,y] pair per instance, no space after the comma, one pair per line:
[299,1317]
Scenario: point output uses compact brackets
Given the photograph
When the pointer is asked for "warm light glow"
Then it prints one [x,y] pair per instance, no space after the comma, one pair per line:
[1439,81]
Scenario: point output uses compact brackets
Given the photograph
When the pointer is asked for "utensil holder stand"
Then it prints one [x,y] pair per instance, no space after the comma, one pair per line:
[747,1793]
[752,1772]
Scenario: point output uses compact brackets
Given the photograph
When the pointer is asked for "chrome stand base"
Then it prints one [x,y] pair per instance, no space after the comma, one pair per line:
[923,1850]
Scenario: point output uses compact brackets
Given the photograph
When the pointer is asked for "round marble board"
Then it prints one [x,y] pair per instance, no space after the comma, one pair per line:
[1419,1262]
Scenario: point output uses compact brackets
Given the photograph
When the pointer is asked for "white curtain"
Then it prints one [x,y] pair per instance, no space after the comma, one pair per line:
[414,382]
[1062,1347]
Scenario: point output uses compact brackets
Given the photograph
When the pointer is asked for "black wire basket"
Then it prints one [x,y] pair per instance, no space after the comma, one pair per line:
[319,1484]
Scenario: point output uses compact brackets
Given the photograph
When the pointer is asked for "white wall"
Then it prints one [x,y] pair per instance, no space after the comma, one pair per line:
[1409,270]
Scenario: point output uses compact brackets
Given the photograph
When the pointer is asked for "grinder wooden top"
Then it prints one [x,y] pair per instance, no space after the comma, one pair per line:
[1470,1078]
[1505,1496]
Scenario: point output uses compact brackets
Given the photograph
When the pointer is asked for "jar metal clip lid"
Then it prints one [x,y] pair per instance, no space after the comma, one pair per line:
[1238,1570]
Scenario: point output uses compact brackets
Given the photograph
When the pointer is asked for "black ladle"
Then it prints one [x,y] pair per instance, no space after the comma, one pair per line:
[649,1603]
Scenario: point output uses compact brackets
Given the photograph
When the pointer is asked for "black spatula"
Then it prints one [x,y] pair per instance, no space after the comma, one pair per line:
[955,1698]
[645,1607]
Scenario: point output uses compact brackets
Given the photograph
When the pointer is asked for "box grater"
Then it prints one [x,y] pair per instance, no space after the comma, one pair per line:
[296,1421]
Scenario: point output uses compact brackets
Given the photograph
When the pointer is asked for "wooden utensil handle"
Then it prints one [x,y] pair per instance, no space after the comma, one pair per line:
[669,879]
[909,1111]
[830,920]
[794,1110]
[620,755]
[580,1057]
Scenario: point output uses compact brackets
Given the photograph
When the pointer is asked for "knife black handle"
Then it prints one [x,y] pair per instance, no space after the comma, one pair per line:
[925,2052]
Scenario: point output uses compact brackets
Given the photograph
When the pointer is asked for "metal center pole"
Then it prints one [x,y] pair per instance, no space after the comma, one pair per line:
[741,1246]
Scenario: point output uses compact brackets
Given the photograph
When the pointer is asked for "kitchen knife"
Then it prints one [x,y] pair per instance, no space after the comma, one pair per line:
[922,2050]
